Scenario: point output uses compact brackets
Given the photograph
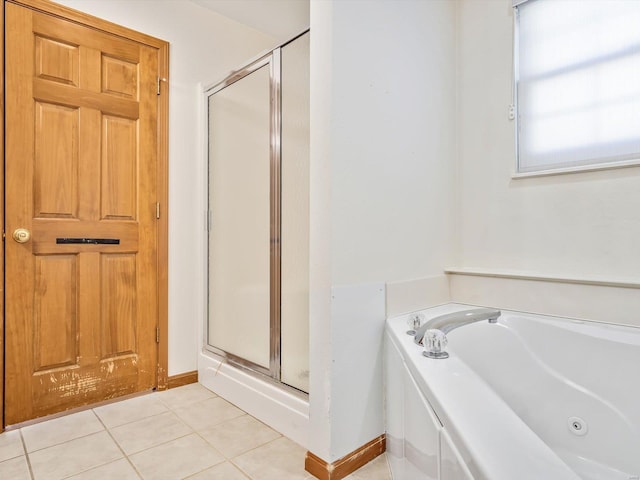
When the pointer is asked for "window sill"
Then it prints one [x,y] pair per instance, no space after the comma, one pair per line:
[582,168]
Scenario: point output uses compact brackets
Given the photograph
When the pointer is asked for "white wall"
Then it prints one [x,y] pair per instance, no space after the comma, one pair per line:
[382,168]
[576,225]
[392,132]
[205,47]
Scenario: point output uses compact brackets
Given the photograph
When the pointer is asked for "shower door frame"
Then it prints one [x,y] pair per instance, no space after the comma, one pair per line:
[273,60]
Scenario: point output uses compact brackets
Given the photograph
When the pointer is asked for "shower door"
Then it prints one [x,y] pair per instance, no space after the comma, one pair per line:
[258,247]
[240,206]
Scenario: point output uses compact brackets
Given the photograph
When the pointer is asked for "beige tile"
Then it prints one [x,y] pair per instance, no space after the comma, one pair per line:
[10,445]
[176,459]
[182,396]
[376,469]
[208,413]
[118,470]
[278,460]
[128,411]
[149,432]
[73,457]
[15,469]
[239,435]
[60,430]
[224,471]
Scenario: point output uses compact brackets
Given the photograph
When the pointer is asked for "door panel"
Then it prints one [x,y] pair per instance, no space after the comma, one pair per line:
[119,77]
[55,313]
[81,162]
[119,168]
[57,61]
[55,179]
[240,241]
[118,281]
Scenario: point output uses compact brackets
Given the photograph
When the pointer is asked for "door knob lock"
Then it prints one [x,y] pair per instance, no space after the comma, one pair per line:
[21,235]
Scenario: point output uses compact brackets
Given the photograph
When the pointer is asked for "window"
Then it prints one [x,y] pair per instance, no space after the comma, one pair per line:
[578,83]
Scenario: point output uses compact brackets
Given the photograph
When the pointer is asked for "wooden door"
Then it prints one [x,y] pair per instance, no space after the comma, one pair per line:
[81,180]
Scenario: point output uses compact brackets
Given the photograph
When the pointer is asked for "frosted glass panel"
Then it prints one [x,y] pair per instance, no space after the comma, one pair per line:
[239,239]
[295,214]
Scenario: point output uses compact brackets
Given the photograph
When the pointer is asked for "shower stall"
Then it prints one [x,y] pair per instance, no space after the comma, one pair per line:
[258,224]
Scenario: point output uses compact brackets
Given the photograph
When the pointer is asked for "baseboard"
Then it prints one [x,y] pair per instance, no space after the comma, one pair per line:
[182,379]
[347,464]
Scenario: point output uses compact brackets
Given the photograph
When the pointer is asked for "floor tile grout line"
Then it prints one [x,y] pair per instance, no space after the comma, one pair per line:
[245,414]
[215,425]
[203,470]
[170,392]
[147,418]
[260,446]
[160,444]
[134,421]
[193,404]
[228,420]
[178,438]
[242,470]
[26,456]
[164,393]
[60,443]
[214,448]
[92,468]
[120,448]
[13,457]
[21,443]
[217,465]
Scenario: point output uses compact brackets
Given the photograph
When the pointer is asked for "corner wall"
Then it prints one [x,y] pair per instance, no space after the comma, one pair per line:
[382,166]
[205,47]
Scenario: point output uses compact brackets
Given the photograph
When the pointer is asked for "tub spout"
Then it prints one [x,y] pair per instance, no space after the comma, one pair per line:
[451,321]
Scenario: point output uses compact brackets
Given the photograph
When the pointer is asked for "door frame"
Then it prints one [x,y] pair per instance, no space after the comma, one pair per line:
[44,6]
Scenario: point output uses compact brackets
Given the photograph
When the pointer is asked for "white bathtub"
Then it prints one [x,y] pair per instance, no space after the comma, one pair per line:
[529,398]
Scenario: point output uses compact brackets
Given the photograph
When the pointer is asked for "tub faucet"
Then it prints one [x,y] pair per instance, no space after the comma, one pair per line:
[433,334]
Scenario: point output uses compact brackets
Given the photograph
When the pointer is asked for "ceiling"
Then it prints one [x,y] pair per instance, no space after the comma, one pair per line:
[279,18]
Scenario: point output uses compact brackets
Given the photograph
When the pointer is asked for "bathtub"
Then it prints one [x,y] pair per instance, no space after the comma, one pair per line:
[529,398]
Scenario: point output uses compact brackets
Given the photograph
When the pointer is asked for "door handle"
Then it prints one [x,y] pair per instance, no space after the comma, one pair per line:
[21,235]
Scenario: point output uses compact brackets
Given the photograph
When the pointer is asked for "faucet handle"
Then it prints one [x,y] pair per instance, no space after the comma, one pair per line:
[434,343]
[414,322]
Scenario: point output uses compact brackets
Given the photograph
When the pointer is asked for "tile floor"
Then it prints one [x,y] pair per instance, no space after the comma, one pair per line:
[183,433]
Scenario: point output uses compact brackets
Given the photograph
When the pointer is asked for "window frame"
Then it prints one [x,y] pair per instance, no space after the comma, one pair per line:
[517,173]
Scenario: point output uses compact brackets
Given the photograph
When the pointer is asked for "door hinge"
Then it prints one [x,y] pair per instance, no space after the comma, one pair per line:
[157,334]
[157,209]
[158,80]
